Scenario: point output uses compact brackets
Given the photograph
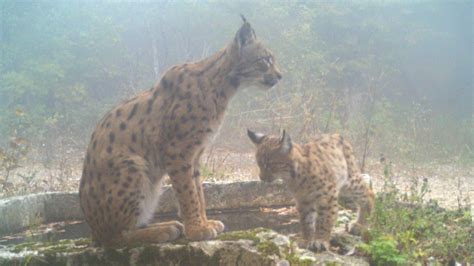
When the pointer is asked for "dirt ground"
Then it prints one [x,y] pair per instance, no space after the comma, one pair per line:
[450,184]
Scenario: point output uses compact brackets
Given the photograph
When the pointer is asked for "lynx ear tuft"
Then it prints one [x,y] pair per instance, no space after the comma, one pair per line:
[285,143]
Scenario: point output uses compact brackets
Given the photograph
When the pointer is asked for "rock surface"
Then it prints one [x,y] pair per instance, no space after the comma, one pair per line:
[255,247]
[17,213]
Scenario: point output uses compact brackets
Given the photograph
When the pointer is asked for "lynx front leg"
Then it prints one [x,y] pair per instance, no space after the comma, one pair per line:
[218,225]
[195,225]
[307,214]
[325,221]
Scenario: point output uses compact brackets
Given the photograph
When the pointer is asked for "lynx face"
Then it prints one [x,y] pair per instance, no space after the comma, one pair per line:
[256,66]
[272,156]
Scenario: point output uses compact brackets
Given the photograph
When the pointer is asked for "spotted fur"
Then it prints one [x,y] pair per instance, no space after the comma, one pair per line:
[164,131]
[316,173]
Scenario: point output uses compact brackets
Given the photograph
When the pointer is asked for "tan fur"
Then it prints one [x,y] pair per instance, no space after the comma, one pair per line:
[317,173]
[164,131]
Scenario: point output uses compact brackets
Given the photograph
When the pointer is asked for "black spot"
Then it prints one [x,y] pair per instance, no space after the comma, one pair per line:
[109,149]
[133,112]
[185,168]
[164,84]
[234,81]
[150,106]
[123,126]
[173,173]
[111,137]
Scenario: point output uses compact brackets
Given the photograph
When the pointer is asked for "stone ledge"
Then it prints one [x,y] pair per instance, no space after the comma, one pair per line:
[21,212]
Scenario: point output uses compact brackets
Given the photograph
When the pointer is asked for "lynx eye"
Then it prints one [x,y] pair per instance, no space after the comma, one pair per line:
[267,60]
[264,63]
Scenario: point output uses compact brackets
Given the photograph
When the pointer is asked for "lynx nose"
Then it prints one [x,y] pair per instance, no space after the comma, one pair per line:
[278,74]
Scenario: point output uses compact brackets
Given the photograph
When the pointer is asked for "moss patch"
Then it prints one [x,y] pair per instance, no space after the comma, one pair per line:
[49,248]
[268,248]
[237,235]
[294,260]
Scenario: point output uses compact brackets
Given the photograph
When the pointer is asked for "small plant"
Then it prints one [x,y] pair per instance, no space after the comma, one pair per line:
[384,251]
[15,151]
[11,158]
[407,229]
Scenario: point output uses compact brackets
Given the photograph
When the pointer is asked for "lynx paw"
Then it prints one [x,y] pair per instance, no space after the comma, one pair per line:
[206,232]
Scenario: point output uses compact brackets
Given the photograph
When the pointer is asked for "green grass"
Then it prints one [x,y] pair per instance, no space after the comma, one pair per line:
[406,229]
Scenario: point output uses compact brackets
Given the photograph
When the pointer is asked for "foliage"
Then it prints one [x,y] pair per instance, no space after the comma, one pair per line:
[11,158]
[347,67]
[15,153]
[384,251]
[404,228]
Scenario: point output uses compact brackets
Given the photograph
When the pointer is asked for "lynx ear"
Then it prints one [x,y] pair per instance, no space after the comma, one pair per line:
[285,143]
[243,18]
[245,35]
[255,137]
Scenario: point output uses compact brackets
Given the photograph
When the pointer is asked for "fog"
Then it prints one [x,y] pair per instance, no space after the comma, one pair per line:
[395,77]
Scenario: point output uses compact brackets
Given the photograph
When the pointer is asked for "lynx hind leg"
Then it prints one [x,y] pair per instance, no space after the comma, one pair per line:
[325,221]
[307,215]
[124,208]
[155,233]
[358,190]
